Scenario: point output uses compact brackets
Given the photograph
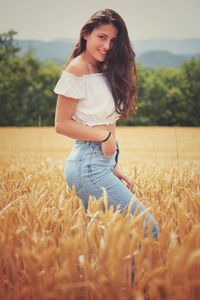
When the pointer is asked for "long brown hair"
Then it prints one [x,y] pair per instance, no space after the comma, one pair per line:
[119,66]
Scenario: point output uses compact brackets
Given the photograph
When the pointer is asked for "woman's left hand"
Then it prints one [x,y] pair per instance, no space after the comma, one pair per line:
[121,176]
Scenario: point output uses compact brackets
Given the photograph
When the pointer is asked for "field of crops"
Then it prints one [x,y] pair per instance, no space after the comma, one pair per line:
[50,248]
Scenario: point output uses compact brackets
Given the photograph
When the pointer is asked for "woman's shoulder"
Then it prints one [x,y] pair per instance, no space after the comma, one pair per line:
[70,83]
[77,67]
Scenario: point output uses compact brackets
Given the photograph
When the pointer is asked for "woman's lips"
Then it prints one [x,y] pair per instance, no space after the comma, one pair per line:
[102,52]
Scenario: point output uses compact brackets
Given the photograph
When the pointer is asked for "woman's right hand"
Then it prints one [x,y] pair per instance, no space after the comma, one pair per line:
[109,147]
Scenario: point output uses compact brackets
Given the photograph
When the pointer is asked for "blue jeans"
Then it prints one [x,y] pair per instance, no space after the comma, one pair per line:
[88,171]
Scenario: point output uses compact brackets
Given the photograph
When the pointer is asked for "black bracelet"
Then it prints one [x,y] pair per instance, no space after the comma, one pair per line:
[107,137]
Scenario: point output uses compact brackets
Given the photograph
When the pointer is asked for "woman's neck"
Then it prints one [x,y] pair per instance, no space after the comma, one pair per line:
[91,63]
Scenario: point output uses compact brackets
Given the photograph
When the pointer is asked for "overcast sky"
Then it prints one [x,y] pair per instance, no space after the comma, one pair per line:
[49,19]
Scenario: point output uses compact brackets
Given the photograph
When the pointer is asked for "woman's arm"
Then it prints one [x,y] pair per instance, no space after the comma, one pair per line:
[65,125]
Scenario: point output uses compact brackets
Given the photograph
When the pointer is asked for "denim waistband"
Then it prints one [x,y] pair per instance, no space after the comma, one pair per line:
[94,143]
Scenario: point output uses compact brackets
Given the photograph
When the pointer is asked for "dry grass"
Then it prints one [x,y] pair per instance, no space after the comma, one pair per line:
[50,248]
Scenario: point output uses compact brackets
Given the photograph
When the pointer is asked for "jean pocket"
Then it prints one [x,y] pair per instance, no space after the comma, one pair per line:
[99,161]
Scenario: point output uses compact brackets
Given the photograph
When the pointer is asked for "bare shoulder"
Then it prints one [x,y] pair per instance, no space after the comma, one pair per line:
[77,67]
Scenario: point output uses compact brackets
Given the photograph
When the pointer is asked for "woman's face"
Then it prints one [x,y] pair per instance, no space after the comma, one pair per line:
[100,41]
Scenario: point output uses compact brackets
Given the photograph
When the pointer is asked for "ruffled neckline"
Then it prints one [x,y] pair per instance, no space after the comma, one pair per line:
[85,75]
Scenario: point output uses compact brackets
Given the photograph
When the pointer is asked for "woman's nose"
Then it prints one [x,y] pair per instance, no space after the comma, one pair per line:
[107,45]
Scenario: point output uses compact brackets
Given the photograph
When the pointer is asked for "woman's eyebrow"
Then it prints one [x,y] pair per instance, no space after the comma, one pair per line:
[107,35]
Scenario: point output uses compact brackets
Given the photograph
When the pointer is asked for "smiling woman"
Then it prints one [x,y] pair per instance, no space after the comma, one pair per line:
[97,88]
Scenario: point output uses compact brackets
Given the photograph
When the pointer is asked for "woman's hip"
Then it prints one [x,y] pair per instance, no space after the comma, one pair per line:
[86,163]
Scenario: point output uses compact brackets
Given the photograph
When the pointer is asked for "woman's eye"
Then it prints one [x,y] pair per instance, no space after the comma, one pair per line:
[102,37]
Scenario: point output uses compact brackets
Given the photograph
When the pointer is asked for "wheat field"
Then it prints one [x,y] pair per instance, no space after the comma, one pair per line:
[51,248]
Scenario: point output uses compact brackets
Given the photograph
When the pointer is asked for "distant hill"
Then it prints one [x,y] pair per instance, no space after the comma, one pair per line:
[163,58]
[181,46]
[153,53]
[57,51]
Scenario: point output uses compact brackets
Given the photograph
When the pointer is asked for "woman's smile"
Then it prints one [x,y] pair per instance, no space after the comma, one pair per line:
[102,52]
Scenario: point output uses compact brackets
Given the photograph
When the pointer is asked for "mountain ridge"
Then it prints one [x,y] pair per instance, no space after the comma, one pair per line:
[149,52]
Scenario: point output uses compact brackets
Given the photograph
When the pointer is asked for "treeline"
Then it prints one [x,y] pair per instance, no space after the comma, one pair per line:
[166,96]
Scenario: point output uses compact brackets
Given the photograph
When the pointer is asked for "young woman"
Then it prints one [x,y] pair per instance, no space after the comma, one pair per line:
[97,87]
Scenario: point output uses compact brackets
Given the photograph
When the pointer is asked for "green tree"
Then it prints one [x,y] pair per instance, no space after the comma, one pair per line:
[7,48]
[26,88]
[191,91]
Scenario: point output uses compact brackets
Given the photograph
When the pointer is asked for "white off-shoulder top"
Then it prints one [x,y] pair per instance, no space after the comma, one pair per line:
[96,105]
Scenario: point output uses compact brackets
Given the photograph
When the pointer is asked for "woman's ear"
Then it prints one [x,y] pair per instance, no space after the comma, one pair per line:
[85,36]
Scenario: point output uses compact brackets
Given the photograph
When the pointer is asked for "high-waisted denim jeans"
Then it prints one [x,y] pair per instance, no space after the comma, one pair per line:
[88,170]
